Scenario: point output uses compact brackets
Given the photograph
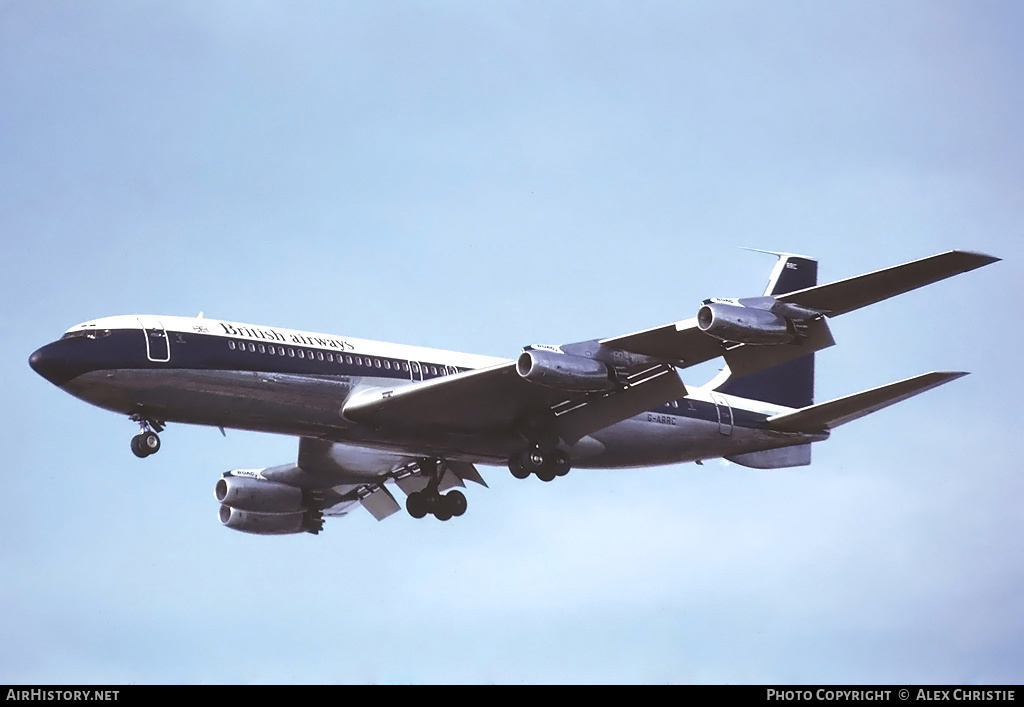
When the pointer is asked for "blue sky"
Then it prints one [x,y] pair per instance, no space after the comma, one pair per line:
[478,177]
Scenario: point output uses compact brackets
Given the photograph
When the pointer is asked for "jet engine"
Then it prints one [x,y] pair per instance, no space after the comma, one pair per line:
[268,523]
[249,493]
[253,504]
[561,370]
[745,325]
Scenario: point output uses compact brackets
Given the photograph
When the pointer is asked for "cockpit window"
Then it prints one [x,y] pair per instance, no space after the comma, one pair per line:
[87,334]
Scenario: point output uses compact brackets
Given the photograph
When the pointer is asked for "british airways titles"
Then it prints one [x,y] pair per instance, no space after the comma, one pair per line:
[273,335]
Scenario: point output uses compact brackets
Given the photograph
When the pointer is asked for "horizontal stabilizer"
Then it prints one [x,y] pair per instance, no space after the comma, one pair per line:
[837,412]
[856,292]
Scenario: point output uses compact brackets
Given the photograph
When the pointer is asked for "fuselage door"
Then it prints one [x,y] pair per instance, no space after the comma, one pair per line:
[415,371]
[158,346]
[724,413]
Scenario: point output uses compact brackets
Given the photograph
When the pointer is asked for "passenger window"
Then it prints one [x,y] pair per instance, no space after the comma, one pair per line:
[376,362]
[231,345]
[387,364]
[405,367]
[348,359]
[320,355]
[262,349]
[252,348]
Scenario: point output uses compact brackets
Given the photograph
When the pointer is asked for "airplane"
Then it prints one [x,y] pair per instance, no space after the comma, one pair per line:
[371,416]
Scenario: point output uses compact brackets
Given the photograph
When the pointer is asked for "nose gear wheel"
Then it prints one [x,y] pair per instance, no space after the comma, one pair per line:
[147,442]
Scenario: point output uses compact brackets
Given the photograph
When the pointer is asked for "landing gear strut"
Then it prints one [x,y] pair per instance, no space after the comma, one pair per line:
[431,500]
[147,441]
[546,465]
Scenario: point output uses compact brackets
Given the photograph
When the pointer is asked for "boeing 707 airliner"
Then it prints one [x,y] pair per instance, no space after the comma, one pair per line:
[372,416]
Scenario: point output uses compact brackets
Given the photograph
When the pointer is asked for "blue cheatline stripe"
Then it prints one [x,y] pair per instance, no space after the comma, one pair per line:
[126,349]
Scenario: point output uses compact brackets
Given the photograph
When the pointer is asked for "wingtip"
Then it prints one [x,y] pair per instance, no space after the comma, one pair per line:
[949,376]
[977,258]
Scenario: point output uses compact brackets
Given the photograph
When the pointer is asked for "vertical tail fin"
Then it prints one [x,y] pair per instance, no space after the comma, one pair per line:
[791,383]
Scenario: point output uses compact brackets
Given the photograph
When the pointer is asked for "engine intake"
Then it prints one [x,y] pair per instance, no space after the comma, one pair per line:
[247,493]
[564,371]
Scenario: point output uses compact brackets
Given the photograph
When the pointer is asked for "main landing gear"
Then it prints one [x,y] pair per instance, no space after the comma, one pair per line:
[546,465]
[431,500]
[147,441]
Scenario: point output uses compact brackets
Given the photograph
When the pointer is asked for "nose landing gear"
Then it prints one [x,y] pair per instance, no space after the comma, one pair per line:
[147,441]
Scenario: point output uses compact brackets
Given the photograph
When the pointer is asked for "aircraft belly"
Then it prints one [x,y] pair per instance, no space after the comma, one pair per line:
[654,439]
[273,402]
[288,404]
[311,406]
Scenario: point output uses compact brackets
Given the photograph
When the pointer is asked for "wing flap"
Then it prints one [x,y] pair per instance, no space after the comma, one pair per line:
[853,293]
[379,502]
[660,386]
[837,412]
[744,360]
[466,472]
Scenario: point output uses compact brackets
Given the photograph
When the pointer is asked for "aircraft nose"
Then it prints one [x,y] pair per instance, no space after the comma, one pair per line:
[49,365]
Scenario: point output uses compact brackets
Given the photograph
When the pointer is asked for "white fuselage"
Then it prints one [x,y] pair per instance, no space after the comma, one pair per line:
[228,374]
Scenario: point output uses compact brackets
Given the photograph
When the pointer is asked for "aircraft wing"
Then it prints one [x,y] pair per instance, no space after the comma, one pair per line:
[498,399]
[685,345]
[844,296]
[681,342]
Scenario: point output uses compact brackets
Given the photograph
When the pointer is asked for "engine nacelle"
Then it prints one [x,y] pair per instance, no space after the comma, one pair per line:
[259,495]
[264,523]
[560,370]
[744,325]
